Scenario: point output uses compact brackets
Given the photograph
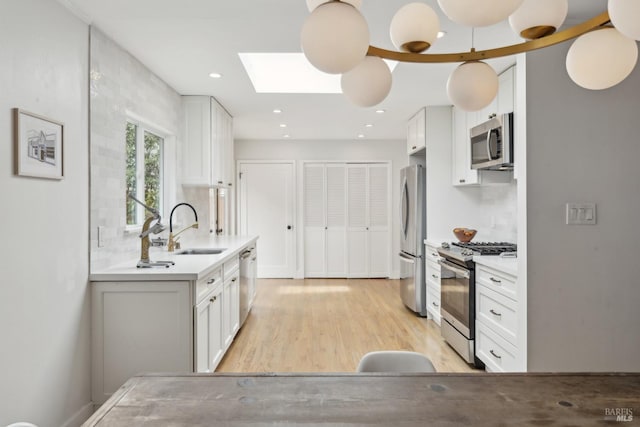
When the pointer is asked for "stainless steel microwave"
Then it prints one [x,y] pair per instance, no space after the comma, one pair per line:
[492,143]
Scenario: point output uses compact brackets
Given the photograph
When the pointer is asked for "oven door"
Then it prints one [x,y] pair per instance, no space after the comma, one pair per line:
[455,297]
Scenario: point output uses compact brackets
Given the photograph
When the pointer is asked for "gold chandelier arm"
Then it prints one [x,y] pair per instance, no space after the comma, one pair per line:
[562,36]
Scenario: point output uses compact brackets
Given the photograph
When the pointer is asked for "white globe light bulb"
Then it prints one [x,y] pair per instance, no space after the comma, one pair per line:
[538,18]
[414,28]
[368,83]
[312,4]
[472,86]
[601,59]
[478,13]
[625,16]
[335,37]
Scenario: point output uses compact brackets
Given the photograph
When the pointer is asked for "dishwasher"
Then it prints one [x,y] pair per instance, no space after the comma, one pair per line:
[248,260]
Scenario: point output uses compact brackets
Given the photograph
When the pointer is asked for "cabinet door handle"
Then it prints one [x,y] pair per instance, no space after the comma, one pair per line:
[253,259]
[414,147]
[494,354]
[210,281]
[434,255]
[495,313]
[462,181]
[219,182]
[434,276]
[213,299]
[434,304]
[234,279]
[494,280]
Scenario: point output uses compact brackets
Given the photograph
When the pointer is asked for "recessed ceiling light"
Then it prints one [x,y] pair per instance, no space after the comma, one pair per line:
[368,125]
[381,111]
[286,136]
[360,135]
[441,34]
[283,125]
[215,75]
[277,111]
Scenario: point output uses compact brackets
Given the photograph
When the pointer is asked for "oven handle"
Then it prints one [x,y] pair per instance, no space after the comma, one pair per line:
[457,270]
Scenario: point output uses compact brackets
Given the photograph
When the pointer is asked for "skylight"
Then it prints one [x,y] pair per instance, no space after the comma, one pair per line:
[290,73]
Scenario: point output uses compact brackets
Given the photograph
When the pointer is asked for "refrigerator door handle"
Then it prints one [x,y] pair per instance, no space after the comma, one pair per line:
[405,207]
[407,257]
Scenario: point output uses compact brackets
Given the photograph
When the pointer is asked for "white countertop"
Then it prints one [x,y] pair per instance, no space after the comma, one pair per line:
[187,267]
[506,265]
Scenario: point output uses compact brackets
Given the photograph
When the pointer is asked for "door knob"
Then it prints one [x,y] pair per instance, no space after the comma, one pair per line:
[289,227]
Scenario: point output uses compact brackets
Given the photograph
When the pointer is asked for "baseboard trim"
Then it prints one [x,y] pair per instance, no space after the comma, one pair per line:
[80,416]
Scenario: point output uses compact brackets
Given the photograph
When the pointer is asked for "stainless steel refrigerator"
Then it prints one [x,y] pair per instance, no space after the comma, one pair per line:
[413,289]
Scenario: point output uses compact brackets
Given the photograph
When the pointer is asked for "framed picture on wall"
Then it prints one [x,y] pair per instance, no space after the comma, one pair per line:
[38,145]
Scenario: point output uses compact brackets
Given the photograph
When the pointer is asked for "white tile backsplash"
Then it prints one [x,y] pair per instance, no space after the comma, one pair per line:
[120,85]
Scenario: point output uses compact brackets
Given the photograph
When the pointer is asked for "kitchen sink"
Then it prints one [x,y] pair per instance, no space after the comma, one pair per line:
[201,251]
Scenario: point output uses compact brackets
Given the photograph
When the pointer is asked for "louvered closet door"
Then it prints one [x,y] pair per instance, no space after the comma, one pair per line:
[357,220]
[336,220]
[314,220]
[378,207]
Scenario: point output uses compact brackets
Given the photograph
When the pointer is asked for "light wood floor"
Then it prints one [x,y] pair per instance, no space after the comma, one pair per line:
[327,325]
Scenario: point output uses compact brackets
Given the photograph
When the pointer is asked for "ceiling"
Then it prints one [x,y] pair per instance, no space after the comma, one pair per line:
[182,41]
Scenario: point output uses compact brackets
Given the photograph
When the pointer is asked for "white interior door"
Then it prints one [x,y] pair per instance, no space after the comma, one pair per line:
[358,259]
[314,220]
[266,210]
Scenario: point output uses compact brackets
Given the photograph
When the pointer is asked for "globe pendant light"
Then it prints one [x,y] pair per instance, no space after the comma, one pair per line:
[368,83]
[472,86]
[538,18]
[478,13]
[312,4]
[625,16]
[335,37]
[414,28]
[601,59]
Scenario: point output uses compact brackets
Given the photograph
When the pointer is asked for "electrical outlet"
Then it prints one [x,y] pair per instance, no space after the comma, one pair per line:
[101,236]
[581,214]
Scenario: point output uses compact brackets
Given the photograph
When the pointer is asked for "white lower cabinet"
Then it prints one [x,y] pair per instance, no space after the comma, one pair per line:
[432,276]
[498,321]
[208,333]
[161,326]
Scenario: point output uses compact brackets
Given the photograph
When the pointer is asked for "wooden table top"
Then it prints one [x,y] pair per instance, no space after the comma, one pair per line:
[373,399]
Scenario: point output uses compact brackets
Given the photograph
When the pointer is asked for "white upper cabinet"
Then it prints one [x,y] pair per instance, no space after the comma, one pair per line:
[207,146]
[506,93]
[416,132]
[462,174]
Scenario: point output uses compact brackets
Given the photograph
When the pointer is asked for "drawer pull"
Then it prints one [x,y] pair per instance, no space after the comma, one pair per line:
[495,313]
[213,299]
[494,280]
[494,354]
[210,281]
[434,304]
[434,276]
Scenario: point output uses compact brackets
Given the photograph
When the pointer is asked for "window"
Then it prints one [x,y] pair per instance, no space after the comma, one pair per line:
[144,171]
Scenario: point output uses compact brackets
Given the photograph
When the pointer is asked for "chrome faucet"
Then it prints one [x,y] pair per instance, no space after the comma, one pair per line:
[147,229]
[173,241]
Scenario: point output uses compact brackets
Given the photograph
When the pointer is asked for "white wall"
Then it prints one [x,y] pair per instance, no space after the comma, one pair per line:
[490,209]
[394,151]
[583,281]
[121,86]
[44,304]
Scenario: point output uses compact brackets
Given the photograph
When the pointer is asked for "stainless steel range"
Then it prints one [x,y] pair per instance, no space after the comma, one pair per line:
[458,292]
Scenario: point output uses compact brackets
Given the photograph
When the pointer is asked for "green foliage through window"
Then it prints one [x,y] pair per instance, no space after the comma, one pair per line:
[147,181]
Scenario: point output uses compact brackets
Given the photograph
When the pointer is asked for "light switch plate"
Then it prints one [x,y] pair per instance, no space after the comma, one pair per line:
[581,213]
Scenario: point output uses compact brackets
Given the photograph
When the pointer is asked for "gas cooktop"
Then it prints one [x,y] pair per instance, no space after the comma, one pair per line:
[465,251]
[488,248]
